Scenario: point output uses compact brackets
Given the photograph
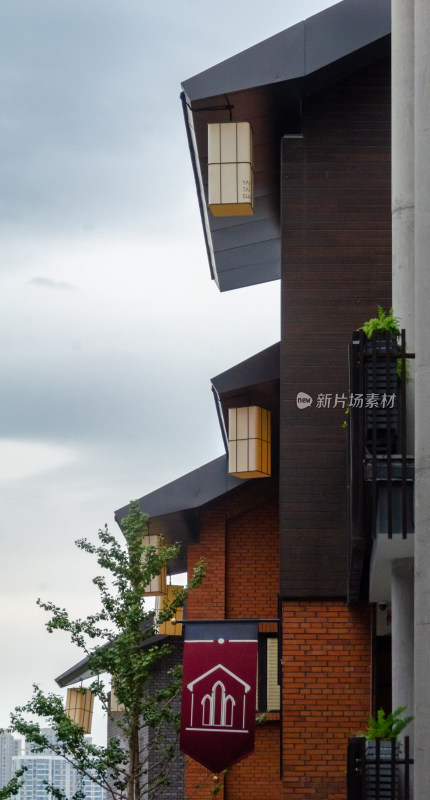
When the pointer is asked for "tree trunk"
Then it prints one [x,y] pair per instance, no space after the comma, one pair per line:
[134,792]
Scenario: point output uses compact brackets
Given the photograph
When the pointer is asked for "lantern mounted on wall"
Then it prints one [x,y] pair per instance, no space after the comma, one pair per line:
[170,628]
[114,706]
[158,585]
[230,170]
[79,707]
[249,442]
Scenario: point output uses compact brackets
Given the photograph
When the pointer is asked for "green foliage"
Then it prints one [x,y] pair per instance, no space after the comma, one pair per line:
[386,322]
[386,726]
[116,641]
[383,322]
[12,788]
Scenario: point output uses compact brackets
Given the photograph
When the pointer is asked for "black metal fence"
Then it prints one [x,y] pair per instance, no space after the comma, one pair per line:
[379,770]
[380,471]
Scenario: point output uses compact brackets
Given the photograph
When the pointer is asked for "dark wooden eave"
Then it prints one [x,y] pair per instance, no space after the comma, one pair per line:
[82,671]
[174,509]
[253,382]
[266,85]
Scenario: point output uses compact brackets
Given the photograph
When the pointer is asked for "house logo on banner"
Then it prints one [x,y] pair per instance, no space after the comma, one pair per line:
[218,701]
[219,692]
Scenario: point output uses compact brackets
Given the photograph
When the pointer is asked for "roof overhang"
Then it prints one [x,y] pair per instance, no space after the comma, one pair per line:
[253,382]
[265,85]
[82,671]
[174,508]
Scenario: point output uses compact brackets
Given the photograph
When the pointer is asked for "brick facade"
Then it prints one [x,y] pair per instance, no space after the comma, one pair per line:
[326,673]
[336,268]
[239,538]
[326,692]
[240,545]
[252,565]
[208,602]
[286,536]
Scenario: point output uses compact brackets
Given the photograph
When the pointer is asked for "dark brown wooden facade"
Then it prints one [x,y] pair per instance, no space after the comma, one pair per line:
[336,269]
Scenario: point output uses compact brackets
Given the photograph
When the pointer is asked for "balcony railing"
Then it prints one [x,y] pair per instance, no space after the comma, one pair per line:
[380,472]
[379,770]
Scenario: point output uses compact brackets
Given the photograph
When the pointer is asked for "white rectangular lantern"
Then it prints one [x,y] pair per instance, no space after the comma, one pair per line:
[249,442]
[158,585]
[230,171]
[79,707]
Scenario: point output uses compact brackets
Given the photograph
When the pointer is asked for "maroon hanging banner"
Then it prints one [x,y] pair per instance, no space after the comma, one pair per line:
[219,687]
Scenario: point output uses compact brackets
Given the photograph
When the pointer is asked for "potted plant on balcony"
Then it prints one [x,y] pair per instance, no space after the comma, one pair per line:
[379,775]
[382,373]
[386,726]
[383,323]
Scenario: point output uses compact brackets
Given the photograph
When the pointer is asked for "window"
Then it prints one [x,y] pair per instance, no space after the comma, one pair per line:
[268,688]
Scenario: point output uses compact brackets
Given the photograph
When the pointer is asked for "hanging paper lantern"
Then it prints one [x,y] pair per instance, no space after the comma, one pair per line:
[169,628]
[79,707]
[158,584]
[230,172]
[249,442]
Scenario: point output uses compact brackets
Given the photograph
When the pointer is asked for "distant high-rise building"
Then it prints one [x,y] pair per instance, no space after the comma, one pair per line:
[47,768]
[50,735]
[9,747]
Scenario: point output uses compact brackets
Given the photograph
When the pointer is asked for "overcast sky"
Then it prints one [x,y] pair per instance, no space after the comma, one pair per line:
[110,325]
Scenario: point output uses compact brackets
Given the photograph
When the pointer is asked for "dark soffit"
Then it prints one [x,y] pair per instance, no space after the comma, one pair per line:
[81,671]
[260,368]
[254,381]
[265,85]
[173,509]
[187,493]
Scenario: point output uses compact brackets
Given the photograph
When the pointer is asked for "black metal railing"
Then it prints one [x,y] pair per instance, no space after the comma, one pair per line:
[379,770]
[380,470]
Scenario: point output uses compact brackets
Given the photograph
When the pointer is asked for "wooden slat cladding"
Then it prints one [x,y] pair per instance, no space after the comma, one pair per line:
[336,269]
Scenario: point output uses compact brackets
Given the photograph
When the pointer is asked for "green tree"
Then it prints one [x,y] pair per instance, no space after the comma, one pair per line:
[116,640]
[13,786]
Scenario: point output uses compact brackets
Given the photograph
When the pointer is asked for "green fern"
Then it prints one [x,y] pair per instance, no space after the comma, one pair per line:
[386,726]
[385,321]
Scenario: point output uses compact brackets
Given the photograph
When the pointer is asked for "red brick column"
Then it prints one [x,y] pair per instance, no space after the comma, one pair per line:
[208,602]
[253,563]
[326,693]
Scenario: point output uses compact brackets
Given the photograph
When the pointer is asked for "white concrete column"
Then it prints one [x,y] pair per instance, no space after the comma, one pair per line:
[402,629]
[403,195]
[422,399]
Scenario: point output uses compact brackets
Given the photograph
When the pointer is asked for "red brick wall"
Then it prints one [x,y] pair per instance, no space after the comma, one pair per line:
[326,662]
[326,693]
[258,776]
[208,602]
[252,569]
[239,538]
[246,587]
[199,782]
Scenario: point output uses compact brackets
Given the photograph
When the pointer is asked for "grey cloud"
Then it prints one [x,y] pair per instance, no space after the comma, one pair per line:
[76,398]
[92,128]
[78,109]
[48,283]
